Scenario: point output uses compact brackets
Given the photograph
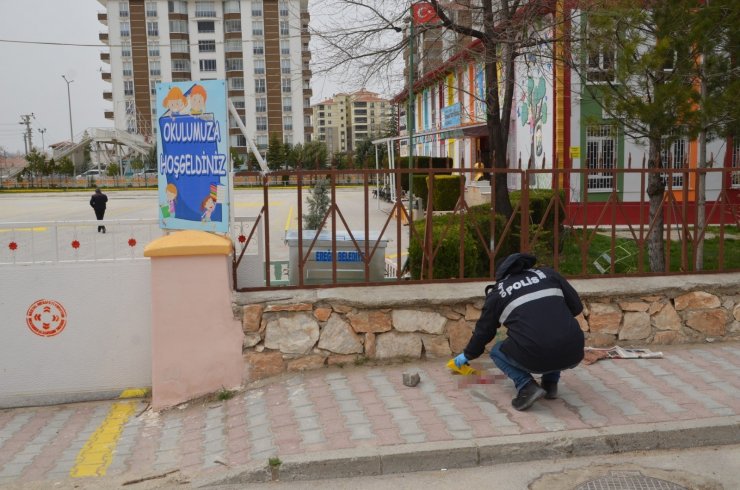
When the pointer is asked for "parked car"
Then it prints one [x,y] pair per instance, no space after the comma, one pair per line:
[92,174]
[150,172]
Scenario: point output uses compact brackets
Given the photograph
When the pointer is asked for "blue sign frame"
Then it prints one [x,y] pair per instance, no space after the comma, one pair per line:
[193,156]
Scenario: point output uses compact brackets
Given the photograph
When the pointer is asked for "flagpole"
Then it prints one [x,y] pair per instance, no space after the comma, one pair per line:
[410,116]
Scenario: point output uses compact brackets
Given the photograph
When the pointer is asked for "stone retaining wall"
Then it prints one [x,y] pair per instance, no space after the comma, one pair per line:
[298,330]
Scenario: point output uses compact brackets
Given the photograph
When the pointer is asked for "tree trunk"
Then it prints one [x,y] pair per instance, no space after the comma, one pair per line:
[655,192]
[497,142]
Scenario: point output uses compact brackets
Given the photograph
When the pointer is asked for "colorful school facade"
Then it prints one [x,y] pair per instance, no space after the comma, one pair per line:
[556,124]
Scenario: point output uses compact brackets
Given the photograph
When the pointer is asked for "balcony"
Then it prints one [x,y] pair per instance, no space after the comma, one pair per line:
[103,18]
[103,36]
[105,57]
[108,95]
[105,76]
[108,114]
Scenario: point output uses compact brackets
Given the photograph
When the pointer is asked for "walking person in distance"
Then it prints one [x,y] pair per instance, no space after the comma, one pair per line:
[98,202]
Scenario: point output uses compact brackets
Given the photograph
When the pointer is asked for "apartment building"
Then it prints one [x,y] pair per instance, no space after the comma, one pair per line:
[260,47]
[346,119]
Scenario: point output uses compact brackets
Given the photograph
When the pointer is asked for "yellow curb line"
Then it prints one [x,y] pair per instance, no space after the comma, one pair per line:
[97,454]
[290,216]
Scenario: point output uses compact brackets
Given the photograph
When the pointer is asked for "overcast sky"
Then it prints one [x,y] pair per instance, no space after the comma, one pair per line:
[32,82]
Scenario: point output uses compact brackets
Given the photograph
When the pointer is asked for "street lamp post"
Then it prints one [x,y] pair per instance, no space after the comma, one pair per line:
[69,103]
[43,143]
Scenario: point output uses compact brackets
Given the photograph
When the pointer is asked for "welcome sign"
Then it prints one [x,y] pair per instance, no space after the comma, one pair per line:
[192,147]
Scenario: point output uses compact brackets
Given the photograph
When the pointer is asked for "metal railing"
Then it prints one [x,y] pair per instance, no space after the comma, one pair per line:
[75,241]
[576,230]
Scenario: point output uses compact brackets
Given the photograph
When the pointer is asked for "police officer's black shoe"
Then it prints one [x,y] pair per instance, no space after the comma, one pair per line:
[551,389]
[527,396]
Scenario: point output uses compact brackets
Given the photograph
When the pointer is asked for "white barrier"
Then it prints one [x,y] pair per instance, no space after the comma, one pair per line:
[74,331]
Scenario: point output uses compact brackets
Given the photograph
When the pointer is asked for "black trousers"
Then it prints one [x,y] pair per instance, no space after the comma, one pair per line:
[100,213]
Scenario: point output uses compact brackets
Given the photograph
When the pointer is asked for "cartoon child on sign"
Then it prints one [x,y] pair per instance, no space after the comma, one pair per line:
[209,204]
[197,97]
[171,193]
[175,102]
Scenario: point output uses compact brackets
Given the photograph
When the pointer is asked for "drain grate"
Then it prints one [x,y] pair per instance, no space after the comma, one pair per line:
[628,480]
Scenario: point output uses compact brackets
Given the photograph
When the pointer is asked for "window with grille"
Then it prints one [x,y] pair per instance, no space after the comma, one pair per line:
[178,27]
[206,26]
[238,102]
[131,125]
[232,7]
[154,69]
[233,25]
[260,104]
[207,46]
[260,86]
[261,140]
[128,87]
[233,45]
[674,155]
[256,8]
[285,46]
[130,107]
[152,28]
[128,69]
[153,86]
[258,48]
[125,29]
[284,28]
[207,65]
[736,162]
[285,66]
[257,28]
[123,9]
[236,83]
[177,7]
[179,46]
[283,8]
[154,49]
[287,104]
[261,123]
[151,9]
[126,49]
[259,67]
[234,64]
[288,123]
[601,154]
[285,84]
[181,65]
[205,9]
[600,59]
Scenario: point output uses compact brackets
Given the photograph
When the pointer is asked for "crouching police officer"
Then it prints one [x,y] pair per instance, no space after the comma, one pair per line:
[537,306]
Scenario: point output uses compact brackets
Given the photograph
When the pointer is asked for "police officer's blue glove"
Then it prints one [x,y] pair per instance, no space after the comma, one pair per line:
[461,360]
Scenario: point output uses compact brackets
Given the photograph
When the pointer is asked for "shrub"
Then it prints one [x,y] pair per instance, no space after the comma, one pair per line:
[421,162]
[446,192]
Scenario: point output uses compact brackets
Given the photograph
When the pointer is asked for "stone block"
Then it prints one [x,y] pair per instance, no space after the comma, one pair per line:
[709,322]
[418,321]
[736,312]
[292,307]
[342,308]
[370,345]
[375,321]
[667,337]
[393,344]
[582,322]
[635,326]
[263,364]
[666,318]
[341,359]
[696,300]
[436,346]
[292,334]
[322,314]
[449,313]
[634,306]
[251,339]
[338,337]
[600,339]
[459,333]
[604,318]
[251,318]
[472,313]
[313,361]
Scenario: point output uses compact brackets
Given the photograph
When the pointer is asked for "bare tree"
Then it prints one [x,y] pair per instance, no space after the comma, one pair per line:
[367,39]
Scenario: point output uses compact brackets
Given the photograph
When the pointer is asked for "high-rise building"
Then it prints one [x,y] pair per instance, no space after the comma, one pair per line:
[346,119]
[260,47]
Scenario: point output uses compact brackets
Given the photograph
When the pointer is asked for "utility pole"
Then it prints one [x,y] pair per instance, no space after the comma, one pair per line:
[26,120]
[69,103]
[43,144]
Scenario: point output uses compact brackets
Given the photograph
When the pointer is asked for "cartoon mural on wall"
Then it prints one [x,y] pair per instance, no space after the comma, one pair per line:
[532,111]
[192,156]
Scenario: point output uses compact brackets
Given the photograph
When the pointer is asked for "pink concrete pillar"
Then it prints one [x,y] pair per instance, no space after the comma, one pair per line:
[196,342]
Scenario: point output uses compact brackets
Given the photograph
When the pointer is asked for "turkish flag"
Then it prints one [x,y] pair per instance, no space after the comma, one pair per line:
[424,13]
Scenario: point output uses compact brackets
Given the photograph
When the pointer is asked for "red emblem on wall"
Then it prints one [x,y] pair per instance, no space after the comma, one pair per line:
[46,317]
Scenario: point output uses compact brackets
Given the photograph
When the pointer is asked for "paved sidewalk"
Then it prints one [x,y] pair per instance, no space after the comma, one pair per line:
[363,420]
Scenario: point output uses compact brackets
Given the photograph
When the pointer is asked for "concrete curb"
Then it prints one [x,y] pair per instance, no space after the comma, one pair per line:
[407,458]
